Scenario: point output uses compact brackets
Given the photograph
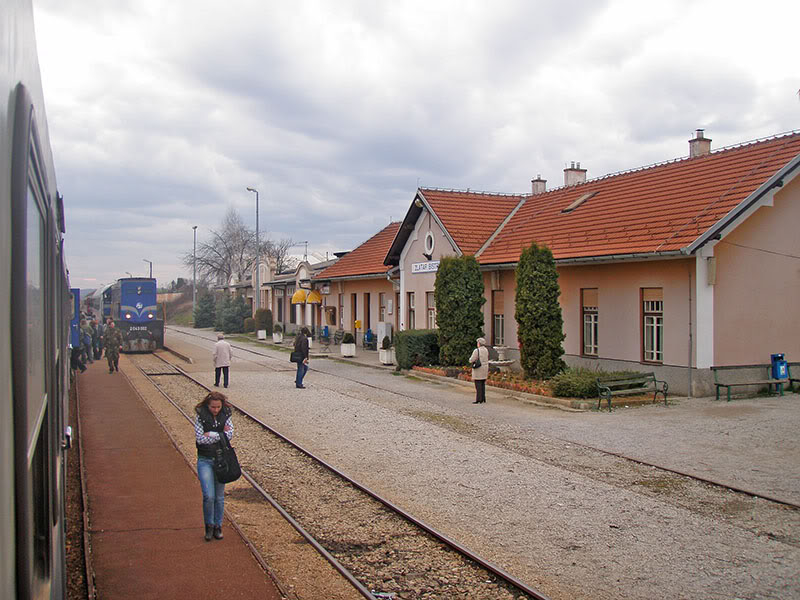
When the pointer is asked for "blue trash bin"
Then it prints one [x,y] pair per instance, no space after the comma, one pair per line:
[325,331]
[780,370]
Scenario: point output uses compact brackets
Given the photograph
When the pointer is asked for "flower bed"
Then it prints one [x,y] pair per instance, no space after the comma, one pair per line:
[508,381]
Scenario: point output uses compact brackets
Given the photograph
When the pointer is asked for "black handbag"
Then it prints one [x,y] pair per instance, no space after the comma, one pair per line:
[477,363]
[226,464]
[296,356]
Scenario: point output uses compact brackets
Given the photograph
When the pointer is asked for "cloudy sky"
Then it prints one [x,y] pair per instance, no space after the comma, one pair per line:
[161,113]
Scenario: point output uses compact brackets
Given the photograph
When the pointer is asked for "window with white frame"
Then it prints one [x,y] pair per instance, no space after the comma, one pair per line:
[431,306]
[653,325]
[498,318]
[382,305]
[589,315]
[341,311]
[412,322]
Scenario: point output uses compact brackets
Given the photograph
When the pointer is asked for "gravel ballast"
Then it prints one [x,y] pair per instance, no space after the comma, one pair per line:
[519,486]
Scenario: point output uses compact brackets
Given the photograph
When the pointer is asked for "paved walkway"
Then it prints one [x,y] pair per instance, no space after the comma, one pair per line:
[145,507]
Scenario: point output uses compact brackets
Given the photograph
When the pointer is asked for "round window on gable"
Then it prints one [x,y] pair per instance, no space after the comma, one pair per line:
[429,243]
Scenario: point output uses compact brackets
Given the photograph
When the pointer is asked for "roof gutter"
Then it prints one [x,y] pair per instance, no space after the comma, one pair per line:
[772,185]
[591,260]
[353,277]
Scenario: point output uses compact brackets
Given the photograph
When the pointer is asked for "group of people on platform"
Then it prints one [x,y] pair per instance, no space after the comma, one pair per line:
[93,338]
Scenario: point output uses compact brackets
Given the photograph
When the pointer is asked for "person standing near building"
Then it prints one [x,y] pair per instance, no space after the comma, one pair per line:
[213,419]
[481,372]
[301,348]
[222,359]
[113,343]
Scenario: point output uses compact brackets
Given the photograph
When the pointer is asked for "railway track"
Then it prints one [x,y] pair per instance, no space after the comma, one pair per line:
[383,551]
[698,478]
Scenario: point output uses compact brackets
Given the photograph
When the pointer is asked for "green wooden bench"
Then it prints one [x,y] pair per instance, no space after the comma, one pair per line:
[608,387]
[768,381]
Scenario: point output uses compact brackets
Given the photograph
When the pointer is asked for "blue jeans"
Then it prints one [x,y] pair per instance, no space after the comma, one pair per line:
[302,369]
[213,492]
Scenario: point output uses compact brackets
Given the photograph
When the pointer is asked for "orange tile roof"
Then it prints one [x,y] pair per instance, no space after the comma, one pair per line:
[470,217]
[657,209]
[366,259]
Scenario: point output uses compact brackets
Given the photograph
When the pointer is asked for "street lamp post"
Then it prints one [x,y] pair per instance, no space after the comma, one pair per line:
[129,274]
[151,266]
[257,294]
[194,272]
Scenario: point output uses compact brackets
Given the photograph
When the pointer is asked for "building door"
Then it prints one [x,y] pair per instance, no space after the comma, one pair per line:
[353,312]
[366,312]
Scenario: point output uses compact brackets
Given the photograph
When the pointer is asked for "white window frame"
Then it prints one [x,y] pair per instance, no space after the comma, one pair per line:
[653,330]
[430,302]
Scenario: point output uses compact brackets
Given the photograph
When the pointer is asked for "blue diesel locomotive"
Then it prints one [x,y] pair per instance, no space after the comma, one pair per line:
[134,310]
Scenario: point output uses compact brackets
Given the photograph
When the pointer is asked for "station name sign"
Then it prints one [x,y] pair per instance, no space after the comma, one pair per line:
[425,267]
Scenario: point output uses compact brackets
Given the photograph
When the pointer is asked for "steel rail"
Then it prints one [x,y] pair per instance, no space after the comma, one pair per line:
[454,545]
[700,478]
[340,568]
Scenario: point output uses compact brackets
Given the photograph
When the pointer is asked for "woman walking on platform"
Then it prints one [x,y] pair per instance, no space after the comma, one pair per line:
[301,349]
[213,420]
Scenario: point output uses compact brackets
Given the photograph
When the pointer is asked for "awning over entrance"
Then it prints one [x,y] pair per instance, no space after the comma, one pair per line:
[299,297]
[314,297]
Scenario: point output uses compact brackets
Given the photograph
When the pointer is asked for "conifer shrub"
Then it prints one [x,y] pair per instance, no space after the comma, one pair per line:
[223,306]
[249,325]
[458,293]
[348,338]
[538,314]
[205,311]
[416,347]
[263,319]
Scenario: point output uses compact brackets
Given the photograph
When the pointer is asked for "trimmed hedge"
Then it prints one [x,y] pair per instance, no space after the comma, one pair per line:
[263,319]
[582,382]
[249,325]
[416,347]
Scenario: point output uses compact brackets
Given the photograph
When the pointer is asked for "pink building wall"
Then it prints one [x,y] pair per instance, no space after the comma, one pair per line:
[757,293]
[619,307]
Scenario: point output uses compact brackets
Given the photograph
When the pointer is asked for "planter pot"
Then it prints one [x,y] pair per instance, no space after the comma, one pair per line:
[262,334]
[348,349]
[277,338]
[386,356]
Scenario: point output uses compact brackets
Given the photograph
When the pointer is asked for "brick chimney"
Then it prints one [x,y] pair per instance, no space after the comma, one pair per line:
[538,185]
[699,145]
[573,175]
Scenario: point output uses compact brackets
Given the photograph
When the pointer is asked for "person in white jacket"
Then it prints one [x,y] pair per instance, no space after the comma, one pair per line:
[480,373]
[222,359]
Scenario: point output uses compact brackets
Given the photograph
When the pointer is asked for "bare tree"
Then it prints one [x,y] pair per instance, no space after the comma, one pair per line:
[231,252]
[280,252]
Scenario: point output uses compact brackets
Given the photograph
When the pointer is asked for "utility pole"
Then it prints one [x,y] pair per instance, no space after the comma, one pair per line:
[257,289]
[194,273]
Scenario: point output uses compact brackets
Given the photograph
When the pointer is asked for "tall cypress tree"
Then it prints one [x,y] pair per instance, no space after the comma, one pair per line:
[538,313]
[458,293]
[205,312]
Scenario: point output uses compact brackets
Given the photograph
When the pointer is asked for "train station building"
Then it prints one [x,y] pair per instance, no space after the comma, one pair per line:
[672,268]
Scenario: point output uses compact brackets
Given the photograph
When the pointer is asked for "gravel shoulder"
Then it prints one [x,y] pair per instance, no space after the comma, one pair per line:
[518,485]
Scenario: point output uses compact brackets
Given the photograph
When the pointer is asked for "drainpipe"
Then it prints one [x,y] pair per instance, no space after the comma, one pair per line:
[689,390]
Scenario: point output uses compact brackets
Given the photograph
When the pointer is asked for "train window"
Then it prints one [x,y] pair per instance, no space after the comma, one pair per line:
[35,312]
[40,477]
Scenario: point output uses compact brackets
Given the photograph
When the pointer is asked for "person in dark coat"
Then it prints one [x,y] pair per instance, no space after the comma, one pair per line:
[76,360]
[212,420]
[301,346]
[480,374]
